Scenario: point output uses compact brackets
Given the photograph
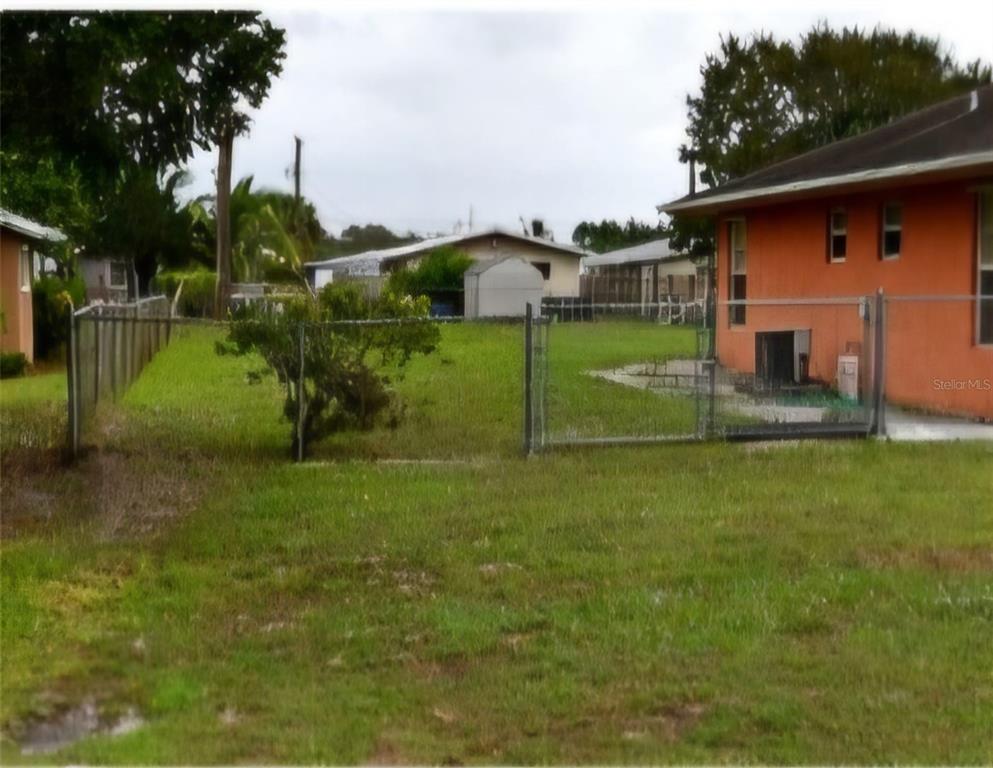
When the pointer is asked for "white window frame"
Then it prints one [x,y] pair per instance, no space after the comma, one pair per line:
[887,227]
[987,195]
[25,267]
[834,232]
[734,226]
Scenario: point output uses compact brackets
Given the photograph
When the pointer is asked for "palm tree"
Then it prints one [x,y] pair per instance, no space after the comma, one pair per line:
[271,235]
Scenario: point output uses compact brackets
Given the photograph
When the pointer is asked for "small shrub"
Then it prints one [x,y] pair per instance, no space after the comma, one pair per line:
[12,364]
[51,297]
[348,370]
[440,271]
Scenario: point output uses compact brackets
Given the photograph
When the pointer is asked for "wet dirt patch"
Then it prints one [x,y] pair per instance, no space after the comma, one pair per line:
[668,723]
[495,569]
[385,752]
[68,726]
[124,495]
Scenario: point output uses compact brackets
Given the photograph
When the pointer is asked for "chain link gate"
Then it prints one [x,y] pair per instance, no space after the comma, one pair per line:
[798,368]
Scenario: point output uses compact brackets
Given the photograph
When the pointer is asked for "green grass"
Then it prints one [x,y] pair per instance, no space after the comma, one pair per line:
[581,406]
[33,411]
[819,603]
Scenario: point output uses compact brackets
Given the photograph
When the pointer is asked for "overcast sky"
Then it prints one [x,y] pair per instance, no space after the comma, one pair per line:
[410,117]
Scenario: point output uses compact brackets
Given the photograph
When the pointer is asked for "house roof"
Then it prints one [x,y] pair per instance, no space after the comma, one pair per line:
[369,262]
[646,253]
[954,136]
[28,228]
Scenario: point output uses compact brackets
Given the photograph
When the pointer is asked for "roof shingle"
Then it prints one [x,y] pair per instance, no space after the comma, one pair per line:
[957,131]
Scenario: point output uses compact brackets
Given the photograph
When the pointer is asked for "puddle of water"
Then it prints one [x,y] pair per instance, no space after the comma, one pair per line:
[72,725]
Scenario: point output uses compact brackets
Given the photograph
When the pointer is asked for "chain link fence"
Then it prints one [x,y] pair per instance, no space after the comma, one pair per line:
[597,374]
[617,372]
[741,370]
[912,367]
[793,368]
[465,393]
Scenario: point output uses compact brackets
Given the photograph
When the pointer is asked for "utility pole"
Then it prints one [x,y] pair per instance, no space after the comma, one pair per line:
[296,171]
[470,217]
[692,156]
[222,215]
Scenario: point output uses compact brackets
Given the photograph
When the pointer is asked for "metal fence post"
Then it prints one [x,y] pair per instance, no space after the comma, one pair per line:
[301,395]
[72,441]
[879,366]
[97,355]
[528,380]
[545,330]
[115,355]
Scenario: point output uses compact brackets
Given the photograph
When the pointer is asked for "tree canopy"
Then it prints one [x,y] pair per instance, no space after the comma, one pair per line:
[272,235]
[98,110]
[358,238]
[441,270]
[609,235]
[99,90]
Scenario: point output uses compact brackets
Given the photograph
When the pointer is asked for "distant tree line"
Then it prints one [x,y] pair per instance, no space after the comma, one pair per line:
[360,238]
[608,235]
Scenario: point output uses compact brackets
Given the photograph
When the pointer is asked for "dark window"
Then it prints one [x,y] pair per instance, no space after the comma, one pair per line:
[544,267]
[985,304]
[892,230]
[837,235]
[986,308]
[739,289]
[739,267]
[118,274]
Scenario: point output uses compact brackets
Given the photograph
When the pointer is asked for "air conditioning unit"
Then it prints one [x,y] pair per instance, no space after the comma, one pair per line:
[848,376]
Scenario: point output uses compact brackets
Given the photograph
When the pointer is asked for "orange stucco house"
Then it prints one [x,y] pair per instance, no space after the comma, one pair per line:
[906,208]
[18,239]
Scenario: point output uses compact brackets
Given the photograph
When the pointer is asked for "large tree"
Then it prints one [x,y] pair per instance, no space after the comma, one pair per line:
[114,98]
[763,100]
[102,89]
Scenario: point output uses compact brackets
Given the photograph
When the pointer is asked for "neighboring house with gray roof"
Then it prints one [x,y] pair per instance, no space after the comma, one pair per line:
[558,263]
[644,273]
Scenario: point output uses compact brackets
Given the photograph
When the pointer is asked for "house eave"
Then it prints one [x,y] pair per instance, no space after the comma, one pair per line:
[978,161]
[41,234]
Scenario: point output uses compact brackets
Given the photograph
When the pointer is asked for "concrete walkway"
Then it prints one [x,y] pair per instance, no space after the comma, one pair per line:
[904,426]
[682,376]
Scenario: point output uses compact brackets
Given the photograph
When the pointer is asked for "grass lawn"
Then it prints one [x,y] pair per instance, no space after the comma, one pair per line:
[33,411]
[820,603]
[582,406]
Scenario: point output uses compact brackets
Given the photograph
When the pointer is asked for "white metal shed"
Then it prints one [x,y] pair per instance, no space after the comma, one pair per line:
[502,288]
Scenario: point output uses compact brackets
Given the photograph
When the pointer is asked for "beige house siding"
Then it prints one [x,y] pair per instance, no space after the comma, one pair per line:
[563,278]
